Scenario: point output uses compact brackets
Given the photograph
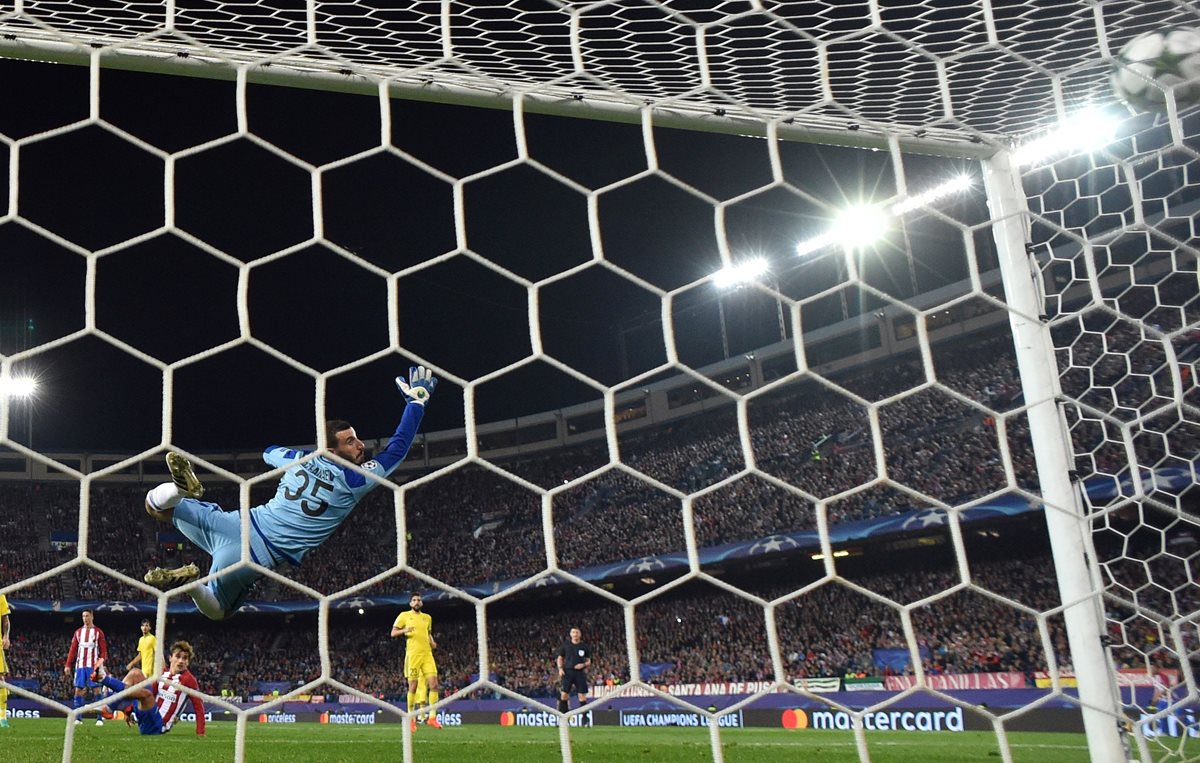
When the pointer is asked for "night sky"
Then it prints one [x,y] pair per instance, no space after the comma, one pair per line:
[169,297]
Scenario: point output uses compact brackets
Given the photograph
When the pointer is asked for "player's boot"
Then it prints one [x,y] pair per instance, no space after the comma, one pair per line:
[412,724]
[433,722]
[183,475]
[4,724]
[162,577]
[99,721]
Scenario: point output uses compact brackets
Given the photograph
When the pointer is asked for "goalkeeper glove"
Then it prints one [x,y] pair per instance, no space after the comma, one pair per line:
[419,386]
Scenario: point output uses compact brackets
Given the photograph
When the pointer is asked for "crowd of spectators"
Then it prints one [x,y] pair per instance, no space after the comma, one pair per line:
[472,526]
[696,633]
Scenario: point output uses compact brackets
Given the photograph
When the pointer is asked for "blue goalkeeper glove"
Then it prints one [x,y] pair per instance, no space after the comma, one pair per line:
[419,387]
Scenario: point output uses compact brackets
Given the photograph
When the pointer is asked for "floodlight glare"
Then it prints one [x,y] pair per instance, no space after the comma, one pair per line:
[861,226]
[741,273]
[22,386]
[1083,132]
[805,248]
[938,192]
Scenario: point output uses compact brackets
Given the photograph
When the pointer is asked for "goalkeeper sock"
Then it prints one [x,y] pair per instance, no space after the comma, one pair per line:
[564,705]
[206,601]
[165,496]
[3,702]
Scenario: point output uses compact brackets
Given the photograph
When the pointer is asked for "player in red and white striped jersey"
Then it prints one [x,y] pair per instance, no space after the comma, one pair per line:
[157,706]
[88,646]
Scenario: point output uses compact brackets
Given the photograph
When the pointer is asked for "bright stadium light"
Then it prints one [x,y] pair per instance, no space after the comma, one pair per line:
[805,248]
[740,274]
[1083,132]
[20,387]
[862,226]
[937,193]
[745,272]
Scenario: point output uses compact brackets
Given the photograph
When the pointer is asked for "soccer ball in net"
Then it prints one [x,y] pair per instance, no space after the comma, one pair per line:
[1151,64]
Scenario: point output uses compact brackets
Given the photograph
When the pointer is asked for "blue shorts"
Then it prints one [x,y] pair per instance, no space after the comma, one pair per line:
[219,533]
[83,679]
[149,721]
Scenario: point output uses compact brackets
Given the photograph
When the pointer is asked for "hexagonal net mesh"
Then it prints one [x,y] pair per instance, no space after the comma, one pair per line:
[948,72]
[858,469]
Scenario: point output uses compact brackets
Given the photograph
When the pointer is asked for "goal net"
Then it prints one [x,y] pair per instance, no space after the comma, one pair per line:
[788,350]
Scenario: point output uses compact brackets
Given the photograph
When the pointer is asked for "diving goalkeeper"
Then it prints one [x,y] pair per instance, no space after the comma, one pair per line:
[312,500]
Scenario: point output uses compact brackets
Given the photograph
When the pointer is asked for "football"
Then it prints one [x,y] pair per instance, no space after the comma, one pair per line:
[1154,63]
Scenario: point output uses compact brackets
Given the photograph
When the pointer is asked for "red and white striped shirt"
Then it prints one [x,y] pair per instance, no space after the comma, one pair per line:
[87,646]
[170,698]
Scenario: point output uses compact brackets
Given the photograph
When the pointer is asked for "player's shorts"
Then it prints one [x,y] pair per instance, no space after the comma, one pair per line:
[574,682]
[219,532]
[149,721]
[418,665]
[83,679]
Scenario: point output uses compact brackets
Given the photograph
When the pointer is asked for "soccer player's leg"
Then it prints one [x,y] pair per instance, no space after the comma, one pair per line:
[207,526]
[429,673]
[422,698]
[126,704]
[149,722]
[219,533]
[3,691]
[413,676]
[82,682]
[219,598]
[161,500]
[94,692]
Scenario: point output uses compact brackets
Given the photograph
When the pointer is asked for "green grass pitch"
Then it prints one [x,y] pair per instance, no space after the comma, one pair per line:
[43,739]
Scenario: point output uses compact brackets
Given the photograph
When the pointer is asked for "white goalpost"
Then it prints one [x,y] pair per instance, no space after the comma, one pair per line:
[1086,255]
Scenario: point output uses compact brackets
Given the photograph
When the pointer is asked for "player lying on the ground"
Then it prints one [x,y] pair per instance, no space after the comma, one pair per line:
[156,708]
[312,500]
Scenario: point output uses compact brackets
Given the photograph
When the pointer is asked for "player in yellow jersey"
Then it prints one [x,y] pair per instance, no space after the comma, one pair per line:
[5,627]
[418,656]
[145,655]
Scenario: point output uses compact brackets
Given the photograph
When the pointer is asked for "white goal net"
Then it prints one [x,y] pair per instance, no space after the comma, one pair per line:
[786,348]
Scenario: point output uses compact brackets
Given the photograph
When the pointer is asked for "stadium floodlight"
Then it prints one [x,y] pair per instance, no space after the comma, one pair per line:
[740,274]
[863,225]
[745,272]
[937,193]
[20,387]
[1084,132]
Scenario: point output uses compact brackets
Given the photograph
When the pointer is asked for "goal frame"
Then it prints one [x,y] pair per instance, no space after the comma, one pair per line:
[1078,577]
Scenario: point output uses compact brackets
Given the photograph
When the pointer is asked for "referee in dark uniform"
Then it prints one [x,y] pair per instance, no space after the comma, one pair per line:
[574,657]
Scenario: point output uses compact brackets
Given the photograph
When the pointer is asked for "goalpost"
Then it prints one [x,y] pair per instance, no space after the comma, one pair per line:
[972,83]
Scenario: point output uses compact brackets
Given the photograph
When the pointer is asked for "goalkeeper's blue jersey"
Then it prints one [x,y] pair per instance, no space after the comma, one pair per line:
[315,497]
